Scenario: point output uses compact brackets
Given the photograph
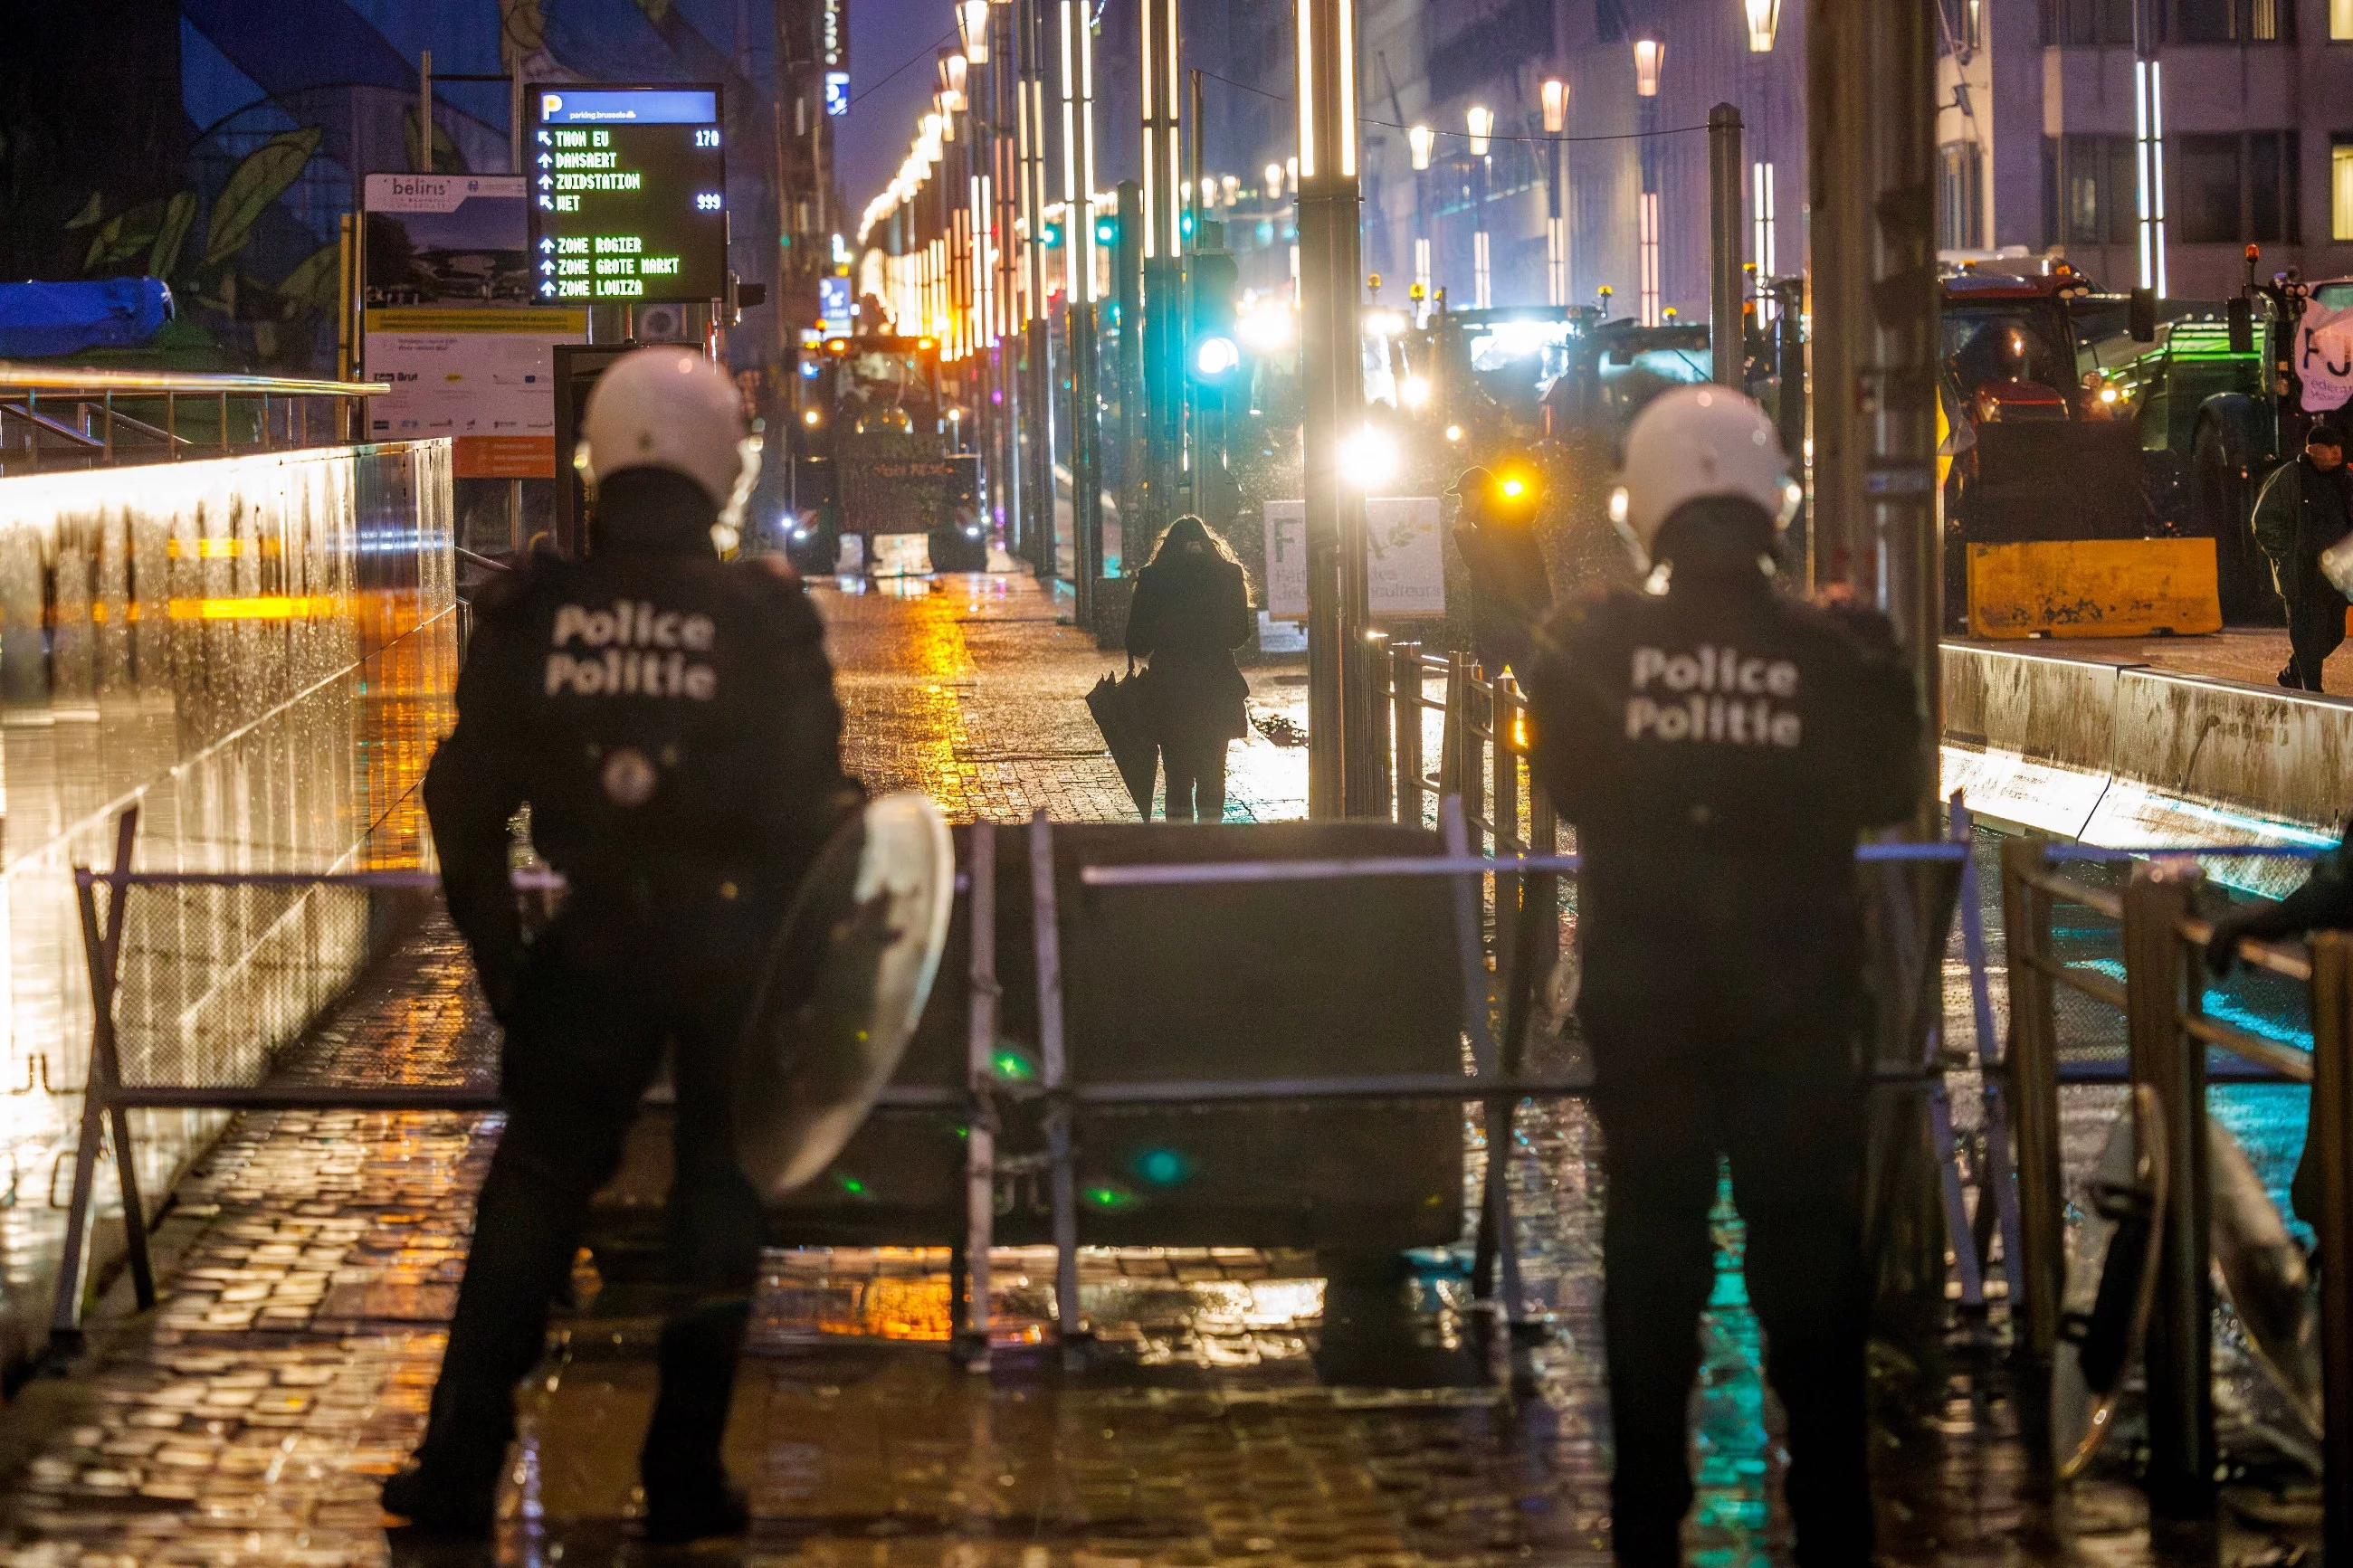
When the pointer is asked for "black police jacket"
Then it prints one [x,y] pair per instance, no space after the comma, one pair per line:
[1719,747]
[669,719]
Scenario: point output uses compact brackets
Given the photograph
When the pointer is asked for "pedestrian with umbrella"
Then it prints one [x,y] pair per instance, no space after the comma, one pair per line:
[1191,611]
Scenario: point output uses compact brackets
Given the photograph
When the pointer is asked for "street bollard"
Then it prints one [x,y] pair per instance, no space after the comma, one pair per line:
[2031,1064]
[1450,733]
[2331,1133]
[1503,818]
[1379,671]
[2179,1357]
[1405,746]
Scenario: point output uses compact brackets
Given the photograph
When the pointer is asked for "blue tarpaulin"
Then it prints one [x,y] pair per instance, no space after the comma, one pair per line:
[42,321]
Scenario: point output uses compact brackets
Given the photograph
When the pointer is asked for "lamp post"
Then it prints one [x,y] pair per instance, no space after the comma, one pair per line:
[1419,142]
[1339,707]
[1078,82]
[1870,80]
[1650,56]
[1157,50]
[1555,122]
[1030,43]
[1482,121]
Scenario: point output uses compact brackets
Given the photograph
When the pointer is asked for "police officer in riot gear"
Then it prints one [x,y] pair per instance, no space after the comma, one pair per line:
[670,721]
[1719,747]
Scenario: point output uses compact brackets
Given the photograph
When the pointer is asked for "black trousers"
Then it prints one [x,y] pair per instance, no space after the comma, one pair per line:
[1784,1107]
[1196,775]
[601,1000]
[2315,627]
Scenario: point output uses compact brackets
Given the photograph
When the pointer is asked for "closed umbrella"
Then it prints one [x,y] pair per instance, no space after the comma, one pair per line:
[1118,704]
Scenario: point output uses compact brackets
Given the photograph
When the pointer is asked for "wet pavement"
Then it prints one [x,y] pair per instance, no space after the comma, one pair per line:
[2252,654]
[1239,1407]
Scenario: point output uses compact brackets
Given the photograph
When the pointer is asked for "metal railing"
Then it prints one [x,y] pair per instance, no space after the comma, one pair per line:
[53,419]
[1484,759]
[2169,1033]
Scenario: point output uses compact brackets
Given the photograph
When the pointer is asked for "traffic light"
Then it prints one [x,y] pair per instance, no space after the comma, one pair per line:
[1106,230]
[1212,343]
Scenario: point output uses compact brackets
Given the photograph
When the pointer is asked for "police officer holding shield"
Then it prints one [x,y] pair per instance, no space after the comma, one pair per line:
[1719,747]
[669,722]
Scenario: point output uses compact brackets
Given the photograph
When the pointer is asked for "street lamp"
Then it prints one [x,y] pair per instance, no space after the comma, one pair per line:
[1274,180]
[1483,129]
[1764,22]
[972,24]
[1649,55]
[1556,121]
[1418,141]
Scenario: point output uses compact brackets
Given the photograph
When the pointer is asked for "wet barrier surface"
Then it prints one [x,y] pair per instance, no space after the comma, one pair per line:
[1243,1407]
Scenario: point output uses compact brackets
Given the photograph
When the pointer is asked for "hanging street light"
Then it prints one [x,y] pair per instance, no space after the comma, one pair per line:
[1418,141]
[1764,22]
[1556,121]
[972,28]
[1649,55]
[1482,127]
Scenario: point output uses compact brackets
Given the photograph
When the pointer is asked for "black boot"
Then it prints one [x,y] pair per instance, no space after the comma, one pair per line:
[451,1485]
[441,1495]
[688,1494]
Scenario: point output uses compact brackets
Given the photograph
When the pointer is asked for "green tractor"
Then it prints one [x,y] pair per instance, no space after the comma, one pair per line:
[2208,388]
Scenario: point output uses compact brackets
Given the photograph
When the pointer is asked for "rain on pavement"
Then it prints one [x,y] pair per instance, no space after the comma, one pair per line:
[1241,1410]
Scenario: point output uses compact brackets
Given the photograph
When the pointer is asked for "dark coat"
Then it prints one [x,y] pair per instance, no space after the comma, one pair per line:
[1511,592]
[1190,612]
[2300,512]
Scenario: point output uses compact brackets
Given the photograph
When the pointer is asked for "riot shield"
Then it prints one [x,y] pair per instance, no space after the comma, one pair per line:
[847,978]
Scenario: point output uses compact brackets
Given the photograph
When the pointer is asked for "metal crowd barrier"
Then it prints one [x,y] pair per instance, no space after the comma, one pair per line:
[109,1097]
[2167,1027]
[2167,1033]
[102,417]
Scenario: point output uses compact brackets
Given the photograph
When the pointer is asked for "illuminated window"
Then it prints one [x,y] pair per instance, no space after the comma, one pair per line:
[2340,189]
[1761,250]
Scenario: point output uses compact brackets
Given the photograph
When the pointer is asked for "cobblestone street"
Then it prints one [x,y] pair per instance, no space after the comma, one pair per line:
[1240,1409]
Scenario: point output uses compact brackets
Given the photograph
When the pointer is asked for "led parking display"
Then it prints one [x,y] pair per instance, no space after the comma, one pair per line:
[629,194]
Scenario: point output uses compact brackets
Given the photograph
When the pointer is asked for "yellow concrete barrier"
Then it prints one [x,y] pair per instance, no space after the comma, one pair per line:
[2092,588]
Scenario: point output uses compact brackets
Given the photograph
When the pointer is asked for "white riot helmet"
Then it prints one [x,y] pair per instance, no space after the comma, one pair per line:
[671,409]
[1692,443]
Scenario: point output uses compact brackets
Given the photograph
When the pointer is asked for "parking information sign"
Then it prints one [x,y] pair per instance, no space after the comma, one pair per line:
[629,194]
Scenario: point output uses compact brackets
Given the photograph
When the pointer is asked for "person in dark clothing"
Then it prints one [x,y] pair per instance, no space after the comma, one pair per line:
[1510,589]
[1719,747]
[2325,902]
[2306,507]
[670,723]
[1191,611]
